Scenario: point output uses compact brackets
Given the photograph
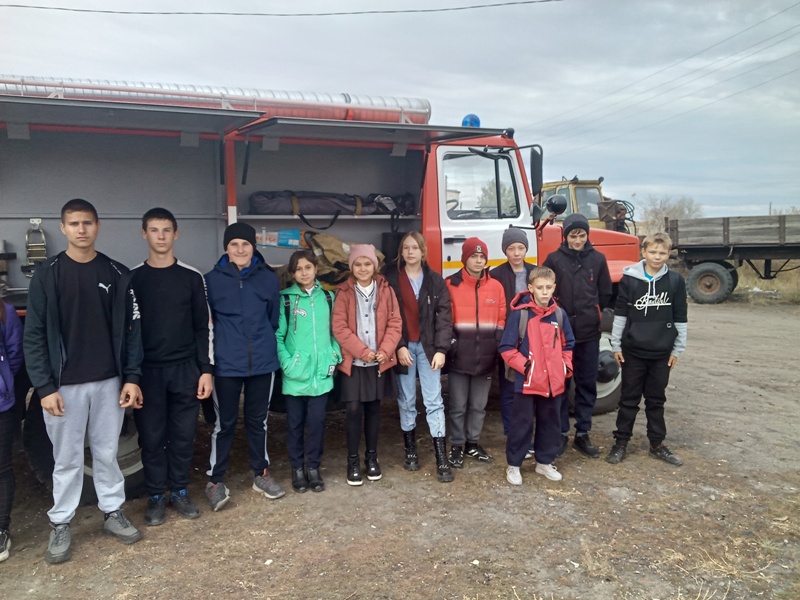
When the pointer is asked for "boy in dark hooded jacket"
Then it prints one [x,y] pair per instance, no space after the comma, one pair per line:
[583,291]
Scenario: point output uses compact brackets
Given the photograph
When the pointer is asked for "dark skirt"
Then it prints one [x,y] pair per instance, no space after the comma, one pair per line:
[366,384]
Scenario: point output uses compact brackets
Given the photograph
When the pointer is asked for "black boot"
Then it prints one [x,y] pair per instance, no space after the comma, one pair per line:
[299,480]
[443,472]
[315,481]
[353,471]
[410,441]
[373,468]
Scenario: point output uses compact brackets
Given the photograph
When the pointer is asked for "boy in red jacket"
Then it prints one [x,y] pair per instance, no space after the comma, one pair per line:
[543,362]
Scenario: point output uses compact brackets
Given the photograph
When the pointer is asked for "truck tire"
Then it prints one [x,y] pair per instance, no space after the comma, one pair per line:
[609,380]
[709,283]
[39,450]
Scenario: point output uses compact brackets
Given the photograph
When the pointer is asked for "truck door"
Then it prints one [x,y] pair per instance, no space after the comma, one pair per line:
[480,194]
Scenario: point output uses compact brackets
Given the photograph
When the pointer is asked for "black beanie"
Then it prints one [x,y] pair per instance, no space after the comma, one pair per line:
[575,221]
[239,231]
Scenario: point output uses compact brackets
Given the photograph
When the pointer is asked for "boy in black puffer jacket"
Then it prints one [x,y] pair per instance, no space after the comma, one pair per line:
[583,290]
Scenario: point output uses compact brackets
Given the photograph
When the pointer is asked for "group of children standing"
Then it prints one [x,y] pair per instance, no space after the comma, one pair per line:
[151,347]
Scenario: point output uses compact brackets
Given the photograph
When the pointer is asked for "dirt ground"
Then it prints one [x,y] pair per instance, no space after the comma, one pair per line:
[725,525]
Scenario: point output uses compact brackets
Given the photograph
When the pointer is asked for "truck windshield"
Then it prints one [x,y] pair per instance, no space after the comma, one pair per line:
[479,187]
[587,198]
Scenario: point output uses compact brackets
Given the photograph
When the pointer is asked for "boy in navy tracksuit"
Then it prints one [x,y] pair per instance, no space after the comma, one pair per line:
[648,336]
[543,362]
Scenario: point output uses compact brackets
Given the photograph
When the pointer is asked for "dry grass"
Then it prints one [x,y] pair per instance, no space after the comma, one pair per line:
[784,288]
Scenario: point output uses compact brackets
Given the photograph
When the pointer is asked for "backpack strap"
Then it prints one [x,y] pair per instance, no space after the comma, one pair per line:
[523,325]
[287,305]
[330,308]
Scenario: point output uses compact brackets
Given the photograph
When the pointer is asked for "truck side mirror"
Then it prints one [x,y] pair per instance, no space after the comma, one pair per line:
[537,180]
[536,214]
[556,204]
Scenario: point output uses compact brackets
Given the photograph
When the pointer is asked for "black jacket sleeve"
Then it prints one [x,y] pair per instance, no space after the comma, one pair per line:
[444,317]
[134,352]
[604,286]
[201,321]
[35,340]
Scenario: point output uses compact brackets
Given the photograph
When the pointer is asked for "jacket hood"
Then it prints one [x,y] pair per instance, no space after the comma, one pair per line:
[636,271]
[470,280]
[525,300]
[257,258]
[295,290]
[350,283]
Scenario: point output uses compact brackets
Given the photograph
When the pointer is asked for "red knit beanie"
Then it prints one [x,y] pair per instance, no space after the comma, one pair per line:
[472,246]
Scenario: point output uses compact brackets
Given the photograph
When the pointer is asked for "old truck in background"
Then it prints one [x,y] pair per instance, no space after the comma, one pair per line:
[204,152]
[585,196]
[712,249]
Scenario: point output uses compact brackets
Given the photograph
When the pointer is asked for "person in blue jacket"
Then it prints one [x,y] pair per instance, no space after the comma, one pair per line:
[10,363]
[244,302]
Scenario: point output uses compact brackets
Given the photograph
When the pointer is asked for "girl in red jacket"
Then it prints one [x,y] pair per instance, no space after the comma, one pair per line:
[368,326]
[543,362]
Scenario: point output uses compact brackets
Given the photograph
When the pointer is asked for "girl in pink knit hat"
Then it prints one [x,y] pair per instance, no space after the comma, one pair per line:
[367,324]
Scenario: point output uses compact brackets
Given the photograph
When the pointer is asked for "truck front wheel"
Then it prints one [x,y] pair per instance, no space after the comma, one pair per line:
[39,450]
[609,380]
[709,283]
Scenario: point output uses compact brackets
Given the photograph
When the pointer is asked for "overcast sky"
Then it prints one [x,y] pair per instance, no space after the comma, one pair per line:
[661,97]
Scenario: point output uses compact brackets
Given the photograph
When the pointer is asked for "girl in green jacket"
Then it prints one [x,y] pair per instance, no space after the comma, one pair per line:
[308,354]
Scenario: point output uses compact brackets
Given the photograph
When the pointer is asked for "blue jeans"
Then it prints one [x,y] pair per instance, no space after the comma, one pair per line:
[430,382]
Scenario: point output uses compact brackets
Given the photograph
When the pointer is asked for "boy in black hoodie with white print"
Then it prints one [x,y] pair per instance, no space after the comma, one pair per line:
[649,334]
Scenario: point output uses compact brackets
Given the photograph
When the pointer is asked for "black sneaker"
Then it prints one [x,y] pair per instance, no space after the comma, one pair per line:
[661,452]
[354,471]
[617,454]
[562,449]
[585,446]
[475,451]
[156,510]
[5,544]
[456,458]
[183,504]
[373,468]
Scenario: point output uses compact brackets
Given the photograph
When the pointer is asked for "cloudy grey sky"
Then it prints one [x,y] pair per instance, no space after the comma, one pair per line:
[661,97]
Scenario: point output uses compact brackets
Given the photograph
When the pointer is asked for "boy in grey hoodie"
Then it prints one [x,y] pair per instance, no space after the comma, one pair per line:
[649,334]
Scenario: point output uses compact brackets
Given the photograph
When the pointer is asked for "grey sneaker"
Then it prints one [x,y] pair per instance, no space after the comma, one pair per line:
[265,484]
[217,494]
[59,548]
[117,525]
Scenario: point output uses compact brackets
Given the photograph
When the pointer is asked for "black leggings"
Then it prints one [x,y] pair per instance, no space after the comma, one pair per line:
[8,421]
[370,414]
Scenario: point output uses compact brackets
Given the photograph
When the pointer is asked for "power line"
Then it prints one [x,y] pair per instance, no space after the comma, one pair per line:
[675,116]
[581,128]
[659,71]
[255,14]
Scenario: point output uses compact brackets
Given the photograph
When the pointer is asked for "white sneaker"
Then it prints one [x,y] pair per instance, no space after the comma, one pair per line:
[548,471]
[530,453]
[513,476]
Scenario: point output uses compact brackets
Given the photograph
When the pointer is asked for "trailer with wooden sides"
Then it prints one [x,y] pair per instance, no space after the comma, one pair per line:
[712,249]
